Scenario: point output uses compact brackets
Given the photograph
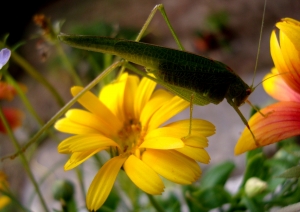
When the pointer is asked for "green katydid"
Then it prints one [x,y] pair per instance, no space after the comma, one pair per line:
[190,76]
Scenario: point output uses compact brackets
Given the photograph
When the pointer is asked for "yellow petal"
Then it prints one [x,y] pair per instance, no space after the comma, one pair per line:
[63,146]
[112,95]
[81,143]
[276,87]
[103,183]
[196,141]
[172,165]
[174,132]
[167,111]
[92,103]
[143,176]
[280,55]
[129,94]
[143,94]
[166,132]
[277,54]
[291,58]
[199,126]
[291,28]
[79,157]
[67,126]
[162,143]
[158,98]
[197,154]
[90,120]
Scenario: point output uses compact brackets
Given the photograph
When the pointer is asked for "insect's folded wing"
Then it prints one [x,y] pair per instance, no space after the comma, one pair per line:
[186,94]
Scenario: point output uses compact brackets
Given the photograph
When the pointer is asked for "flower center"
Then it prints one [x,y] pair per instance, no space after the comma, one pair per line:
[129,137]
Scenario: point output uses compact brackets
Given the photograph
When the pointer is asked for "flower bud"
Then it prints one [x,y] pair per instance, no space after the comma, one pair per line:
[254,186]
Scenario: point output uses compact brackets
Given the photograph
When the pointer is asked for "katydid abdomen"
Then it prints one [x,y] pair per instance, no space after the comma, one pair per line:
[183,73]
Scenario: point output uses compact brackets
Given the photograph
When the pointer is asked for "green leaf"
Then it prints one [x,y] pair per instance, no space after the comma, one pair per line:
[213,197]
[255,167]
[252,205]
[293,172]
[217,175]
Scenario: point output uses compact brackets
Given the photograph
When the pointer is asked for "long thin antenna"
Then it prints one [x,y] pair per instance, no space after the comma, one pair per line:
[259,42]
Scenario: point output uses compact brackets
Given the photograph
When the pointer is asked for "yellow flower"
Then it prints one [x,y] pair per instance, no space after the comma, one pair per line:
[4,200]
[283,83]
[126,119]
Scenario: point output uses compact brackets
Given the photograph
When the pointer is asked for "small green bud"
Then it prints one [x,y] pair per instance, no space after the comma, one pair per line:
[254,186]
[63,190]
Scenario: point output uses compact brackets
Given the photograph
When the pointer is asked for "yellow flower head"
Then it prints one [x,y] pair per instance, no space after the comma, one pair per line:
[4,200]
[283,83]
[126,119]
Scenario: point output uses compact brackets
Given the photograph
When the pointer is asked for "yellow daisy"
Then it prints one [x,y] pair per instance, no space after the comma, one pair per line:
[4,200]
[126,119]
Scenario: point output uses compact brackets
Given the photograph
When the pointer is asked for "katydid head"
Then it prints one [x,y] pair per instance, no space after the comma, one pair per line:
[239,91]
[239,100]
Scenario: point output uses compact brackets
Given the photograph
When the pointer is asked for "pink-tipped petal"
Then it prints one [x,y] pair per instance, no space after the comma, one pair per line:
[282,121]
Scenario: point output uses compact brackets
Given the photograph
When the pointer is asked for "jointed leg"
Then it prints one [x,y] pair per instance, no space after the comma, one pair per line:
[243,119]
[161,9]
[191,113]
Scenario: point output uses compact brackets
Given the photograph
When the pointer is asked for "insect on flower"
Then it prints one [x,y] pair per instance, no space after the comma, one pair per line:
[197,79]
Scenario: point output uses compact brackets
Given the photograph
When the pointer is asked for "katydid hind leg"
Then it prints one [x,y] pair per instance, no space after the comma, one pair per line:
[191,117]
[161,9]
[191,113]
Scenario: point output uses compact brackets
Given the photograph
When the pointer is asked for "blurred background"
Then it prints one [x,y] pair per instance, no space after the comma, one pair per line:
[227,31]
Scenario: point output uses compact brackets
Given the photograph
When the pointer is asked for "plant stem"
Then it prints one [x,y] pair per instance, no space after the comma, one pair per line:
[80,176]
[23,159]
[154,203]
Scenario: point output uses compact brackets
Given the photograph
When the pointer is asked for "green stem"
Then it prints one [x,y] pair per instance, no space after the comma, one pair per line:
[66,61]
[36,75]
[23,159]
[79,173]
[27,104]
[155,204]
[65,108]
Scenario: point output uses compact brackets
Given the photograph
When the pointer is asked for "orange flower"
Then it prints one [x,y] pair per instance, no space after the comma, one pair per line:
[283,118]
[8,92]
[13,117]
